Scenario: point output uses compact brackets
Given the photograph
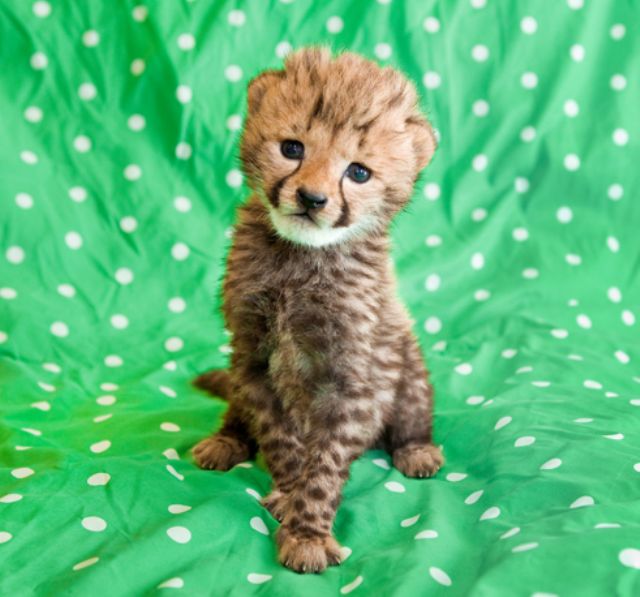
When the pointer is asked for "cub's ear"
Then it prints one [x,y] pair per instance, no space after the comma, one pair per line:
[424,140]
[258,87]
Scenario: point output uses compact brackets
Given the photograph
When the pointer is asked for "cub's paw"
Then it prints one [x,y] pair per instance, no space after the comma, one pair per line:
[277,503]
[305,554]
[220,452]
[418,460]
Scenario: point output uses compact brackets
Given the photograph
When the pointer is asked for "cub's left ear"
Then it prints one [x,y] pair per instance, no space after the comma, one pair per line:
[258,87]
[424,140]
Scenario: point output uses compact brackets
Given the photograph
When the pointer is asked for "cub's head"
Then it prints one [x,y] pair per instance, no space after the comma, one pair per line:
[333,146]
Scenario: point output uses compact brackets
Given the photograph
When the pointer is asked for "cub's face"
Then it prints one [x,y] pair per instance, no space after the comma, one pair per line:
[333,147]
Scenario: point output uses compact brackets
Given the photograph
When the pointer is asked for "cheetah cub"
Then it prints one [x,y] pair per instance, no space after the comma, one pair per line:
[324,364]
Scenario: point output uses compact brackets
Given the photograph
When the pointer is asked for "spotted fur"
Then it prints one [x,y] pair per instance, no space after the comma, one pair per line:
[324,362]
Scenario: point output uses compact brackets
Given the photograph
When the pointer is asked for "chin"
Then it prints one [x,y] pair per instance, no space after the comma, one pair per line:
[303,231]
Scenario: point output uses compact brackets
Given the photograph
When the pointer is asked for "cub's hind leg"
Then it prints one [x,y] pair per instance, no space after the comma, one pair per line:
[409,434]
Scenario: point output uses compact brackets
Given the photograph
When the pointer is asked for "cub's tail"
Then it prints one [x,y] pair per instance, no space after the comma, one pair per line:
[217,382]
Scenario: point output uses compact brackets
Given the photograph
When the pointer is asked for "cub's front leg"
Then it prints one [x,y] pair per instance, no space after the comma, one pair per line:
[339,435]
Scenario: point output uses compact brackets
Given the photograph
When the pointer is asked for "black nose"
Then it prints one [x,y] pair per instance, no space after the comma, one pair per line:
[310,200]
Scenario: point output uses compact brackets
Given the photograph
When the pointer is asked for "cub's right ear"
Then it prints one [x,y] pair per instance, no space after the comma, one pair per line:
[258,87]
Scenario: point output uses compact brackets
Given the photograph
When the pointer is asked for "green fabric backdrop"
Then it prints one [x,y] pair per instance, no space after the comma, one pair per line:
[518,258]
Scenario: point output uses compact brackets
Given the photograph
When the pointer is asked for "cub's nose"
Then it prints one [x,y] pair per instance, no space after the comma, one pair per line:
[310,200]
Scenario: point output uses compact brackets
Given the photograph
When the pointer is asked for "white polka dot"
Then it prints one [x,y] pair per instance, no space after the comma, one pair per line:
[101,446]
[529,25]
[5,536]
[526,440]
[431,25]
[381,463]
[520,234]
[628,318]
[169,427]
[136,122]
[382,51]
[60,329]
[178,508]
[87,91]
[573,259]
[3,337]
[94,523]
[234,122]
[175,473]
[615,192]
[395,487]
[41,9]
[107,400]
[82,144]
[564,215]
[510,533]
[618,82]
[186,42]
[124,275]
[22,472]
[132,172]
[439,575]
[170,366]
[491,513]
[481,295]
[614,294]
[257,579]
[432,283]
[521,185]
[584,321]
[529,80]
[636,467]
[571,162]
[78,194]
[432,325]
[432,191]
[478,214]
[140,13]
[33,114]
[407,522]
[560,333]
[98,479]
[614,436]
[113,360]
[473,497]
[236,18]
[180,251]
[456,477]
[233,73]
[480,53]
[618,31]
[502,422]
[10,498]
[509,353]
[334,25]
[530,273]
[524,547]
[552,464]
[67,290]
[477,261]
[173,344]
[119,321]
[622,356]
[183,151]
[480,162]
[8,293]
[571,108]
[582,502]
[91,38]
[28,157]
[257,524]
[182,204]
[575,4]
[171,393]
[431,79]
[613,243]
[184,94]
[528,134]
[620,137]
[464,369]
[480,108]
[24,200]
[283,48]
[39,61]
[577,52]
[73,240]
[234,178]
[433,240]
[137,67]
[86,563]
[478,3]
[128,224]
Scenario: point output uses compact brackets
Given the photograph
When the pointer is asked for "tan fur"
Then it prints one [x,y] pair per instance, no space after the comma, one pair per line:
[324,362]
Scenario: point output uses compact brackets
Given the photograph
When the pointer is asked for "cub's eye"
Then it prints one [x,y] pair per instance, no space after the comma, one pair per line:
[292,150]
[358,173]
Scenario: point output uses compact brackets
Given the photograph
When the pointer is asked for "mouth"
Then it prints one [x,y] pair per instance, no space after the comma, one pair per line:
[305,215]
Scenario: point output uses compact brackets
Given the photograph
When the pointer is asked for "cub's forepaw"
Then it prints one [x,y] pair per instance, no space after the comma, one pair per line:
[220,452]
[276,502]
[418,460]
[307,555]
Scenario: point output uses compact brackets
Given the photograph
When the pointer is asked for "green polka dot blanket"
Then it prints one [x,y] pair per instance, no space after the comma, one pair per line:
[518,259]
